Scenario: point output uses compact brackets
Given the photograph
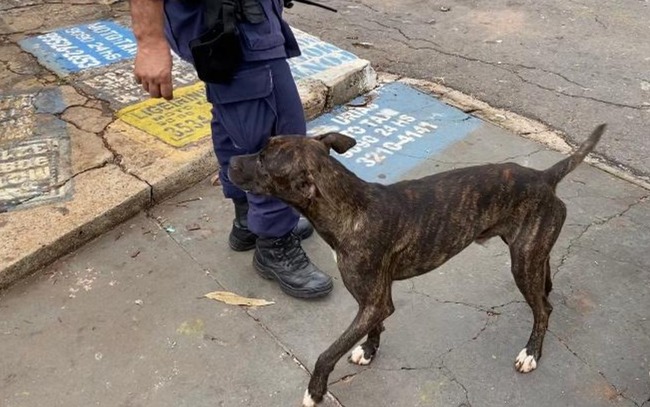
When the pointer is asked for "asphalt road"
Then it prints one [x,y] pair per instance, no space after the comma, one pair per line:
[569,64]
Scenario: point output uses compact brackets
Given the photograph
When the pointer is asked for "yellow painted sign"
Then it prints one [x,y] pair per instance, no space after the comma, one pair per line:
[177,122]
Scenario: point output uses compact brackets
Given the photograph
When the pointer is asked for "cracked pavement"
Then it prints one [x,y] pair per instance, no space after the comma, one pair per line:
[122,320]
[570,64]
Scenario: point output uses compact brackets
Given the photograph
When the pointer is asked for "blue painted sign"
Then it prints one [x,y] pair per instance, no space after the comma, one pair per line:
[317,56]
[395,132]
[81,47]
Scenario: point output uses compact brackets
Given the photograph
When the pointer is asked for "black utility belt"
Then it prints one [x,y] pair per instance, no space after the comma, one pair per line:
[218,52]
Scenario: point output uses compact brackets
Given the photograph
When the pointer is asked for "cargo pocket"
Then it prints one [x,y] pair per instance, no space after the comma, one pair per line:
[264,35]
[246,108]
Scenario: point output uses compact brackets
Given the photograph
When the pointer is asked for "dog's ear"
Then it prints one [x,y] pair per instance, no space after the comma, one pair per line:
[339,142]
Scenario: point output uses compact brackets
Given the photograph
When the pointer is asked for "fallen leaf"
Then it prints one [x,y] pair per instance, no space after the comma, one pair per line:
[234,299]
[364,44]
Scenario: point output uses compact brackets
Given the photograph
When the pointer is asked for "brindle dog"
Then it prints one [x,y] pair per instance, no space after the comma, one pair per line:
[382,233]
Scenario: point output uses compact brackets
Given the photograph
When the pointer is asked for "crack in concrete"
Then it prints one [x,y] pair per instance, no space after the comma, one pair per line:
[528,155]
[619,392]
[449,374]
[490,310]
[491,315]
[47,3]
[502,65]
[22,7]
[594,99]
[158,221]
[13,71]
[599,222]
[59,184]
[116,157]
[289,352]
[438,161]
[368,7]
[477,307]
[4,209]
[346,378]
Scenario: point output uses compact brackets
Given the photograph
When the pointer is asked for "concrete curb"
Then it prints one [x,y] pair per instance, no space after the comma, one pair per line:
[143,171]
[517,124]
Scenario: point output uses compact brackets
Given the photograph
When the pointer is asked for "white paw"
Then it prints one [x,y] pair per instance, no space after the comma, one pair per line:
[357,356]
[525,363]
[307,401]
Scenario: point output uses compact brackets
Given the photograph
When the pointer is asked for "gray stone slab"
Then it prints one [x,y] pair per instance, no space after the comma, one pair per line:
[604,291]
[466,321]
[291,320]
[399,388]
[485,367]
[121,322]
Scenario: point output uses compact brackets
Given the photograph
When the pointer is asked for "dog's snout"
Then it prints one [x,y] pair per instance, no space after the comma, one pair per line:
[235,163]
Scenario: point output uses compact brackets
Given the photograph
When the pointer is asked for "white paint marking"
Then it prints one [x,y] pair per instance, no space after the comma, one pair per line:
[358,357]
[307,401]
[525,363]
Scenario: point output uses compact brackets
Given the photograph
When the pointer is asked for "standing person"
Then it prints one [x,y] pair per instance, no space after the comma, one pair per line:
[255,99]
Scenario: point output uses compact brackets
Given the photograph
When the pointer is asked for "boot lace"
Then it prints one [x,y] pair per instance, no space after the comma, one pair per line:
[293,252]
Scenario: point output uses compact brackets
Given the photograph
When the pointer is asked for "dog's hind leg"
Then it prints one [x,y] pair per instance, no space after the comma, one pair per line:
[548,286]
[363,354]
[530,278]
[530,252]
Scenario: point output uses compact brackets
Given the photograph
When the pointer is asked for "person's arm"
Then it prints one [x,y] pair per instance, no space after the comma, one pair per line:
[153,60]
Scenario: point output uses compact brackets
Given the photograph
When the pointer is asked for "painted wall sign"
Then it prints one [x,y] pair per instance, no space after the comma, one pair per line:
[34,151]
[16,118]
[116,83]
[81,47]
[317,56]
[178,122]
[395,132]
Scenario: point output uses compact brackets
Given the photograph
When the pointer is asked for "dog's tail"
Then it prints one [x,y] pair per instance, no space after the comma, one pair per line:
[555,174]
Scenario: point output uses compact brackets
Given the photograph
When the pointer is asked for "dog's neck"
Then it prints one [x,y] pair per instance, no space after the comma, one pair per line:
[338,190]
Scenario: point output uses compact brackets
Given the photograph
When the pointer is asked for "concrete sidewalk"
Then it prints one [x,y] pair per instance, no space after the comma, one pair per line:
[123,322]
[81,146]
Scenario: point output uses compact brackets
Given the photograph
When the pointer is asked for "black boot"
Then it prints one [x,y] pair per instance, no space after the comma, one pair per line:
[284,260]
[241,239]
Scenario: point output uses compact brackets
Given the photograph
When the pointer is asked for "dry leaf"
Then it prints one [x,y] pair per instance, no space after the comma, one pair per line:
[234,299]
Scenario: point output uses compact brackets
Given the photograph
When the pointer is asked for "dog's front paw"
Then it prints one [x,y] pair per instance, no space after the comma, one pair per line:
[359,357]
[524,362]
[307,400]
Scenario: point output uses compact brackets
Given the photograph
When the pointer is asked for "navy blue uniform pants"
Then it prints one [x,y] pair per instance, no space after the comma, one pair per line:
[262,101]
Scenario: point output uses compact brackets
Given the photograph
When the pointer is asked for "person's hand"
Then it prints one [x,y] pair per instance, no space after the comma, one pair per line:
[153,68]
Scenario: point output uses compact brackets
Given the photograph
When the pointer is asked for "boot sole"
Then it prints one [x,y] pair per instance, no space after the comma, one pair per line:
[239,245]
[287,289]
